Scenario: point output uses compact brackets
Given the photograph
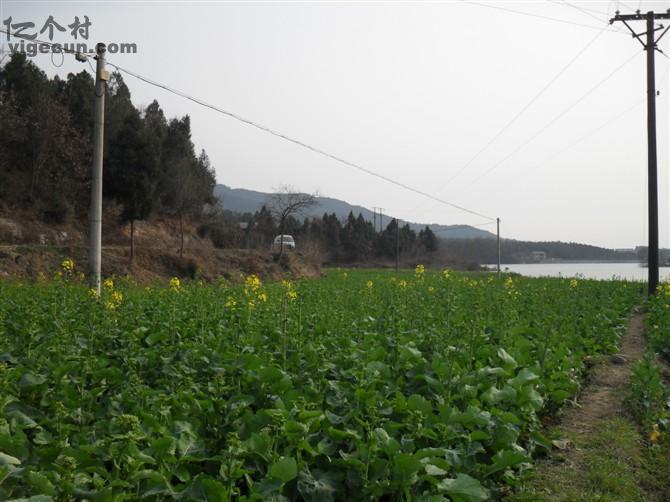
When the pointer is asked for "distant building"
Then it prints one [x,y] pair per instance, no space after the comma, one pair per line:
[538,255]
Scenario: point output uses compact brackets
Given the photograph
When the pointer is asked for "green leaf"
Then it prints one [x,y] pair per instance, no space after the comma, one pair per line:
[30,379]
[504,459]
[507,360]
[285,469]
[523,377]
[463,487]
[41,483]
[434,470]
[317,486]
[8,460]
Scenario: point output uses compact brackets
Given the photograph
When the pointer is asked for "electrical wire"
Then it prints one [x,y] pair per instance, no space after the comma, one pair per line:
[297,142]
[271,131]
[578,141]
[523,110]
[530,14]
[553,120]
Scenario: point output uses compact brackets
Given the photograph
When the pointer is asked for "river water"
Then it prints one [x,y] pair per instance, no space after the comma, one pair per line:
[611,270]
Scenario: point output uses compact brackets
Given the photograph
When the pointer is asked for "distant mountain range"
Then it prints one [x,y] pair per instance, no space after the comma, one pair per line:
[241,200]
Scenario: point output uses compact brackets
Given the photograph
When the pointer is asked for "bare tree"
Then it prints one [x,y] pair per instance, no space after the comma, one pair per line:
[286,202]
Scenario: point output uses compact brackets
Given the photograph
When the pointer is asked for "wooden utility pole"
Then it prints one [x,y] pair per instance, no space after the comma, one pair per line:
[650,45]
[95,215]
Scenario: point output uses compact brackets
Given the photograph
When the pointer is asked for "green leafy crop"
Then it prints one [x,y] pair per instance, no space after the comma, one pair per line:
[357,386]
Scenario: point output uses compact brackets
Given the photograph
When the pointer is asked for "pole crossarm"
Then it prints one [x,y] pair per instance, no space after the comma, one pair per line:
[639,16]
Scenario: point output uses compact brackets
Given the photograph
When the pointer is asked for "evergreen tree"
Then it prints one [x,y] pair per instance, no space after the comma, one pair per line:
[132,166]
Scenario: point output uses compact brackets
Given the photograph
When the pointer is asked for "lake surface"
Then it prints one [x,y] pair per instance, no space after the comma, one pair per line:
[630,271]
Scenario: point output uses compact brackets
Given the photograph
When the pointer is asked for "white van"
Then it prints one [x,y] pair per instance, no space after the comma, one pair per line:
[287,241]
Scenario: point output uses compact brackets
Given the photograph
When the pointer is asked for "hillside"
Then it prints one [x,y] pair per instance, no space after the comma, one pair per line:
[241,200]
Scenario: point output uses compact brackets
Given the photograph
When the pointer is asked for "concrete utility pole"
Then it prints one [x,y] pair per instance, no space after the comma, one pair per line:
[498,238]
[397,245]
[95,215]
[650,45]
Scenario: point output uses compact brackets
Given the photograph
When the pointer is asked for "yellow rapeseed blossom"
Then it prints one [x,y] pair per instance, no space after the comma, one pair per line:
[230,303]
[402,283]
[41,277]
[419,272]
[654,434]
[510,287]
[573,283]
[252,282]
[93,293]
[108,283]
[446,273]
[114,300]
[67,265]
[175,284]
[369,284]
[291,294]
[262,297]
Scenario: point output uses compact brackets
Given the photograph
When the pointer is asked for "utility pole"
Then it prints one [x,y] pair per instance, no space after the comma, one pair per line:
[95,215]
[397,245]
[650,45]
[381,215]
[498,238]
[374,218]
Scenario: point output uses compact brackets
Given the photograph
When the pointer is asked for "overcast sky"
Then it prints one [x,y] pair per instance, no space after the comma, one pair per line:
[412,91]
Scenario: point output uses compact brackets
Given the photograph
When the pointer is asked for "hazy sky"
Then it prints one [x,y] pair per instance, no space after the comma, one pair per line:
[412,91]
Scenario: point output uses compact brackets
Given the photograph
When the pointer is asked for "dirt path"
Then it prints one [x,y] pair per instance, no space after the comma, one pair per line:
[599,451]
[603,396]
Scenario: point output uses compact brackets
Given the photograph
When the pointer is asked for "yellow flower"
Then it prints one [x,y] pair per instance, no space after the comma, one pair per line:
[67,265]
[114,301]
[262,297]
[655,434]
[230,302]
[175,284]
[419,272]
[573,283]
[446,273]
[291,295]
[93,293]
[369,284]
[58,274]
[41,277]
[108,283]
[252,282]
[402,283]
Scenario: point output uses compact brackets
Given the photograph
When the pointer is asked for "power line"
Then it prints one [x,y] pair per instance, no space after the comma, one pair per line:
[576,142]
[519,114]
[523,110]
[270,131]
[552,121]
[530,14]
[297,141]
